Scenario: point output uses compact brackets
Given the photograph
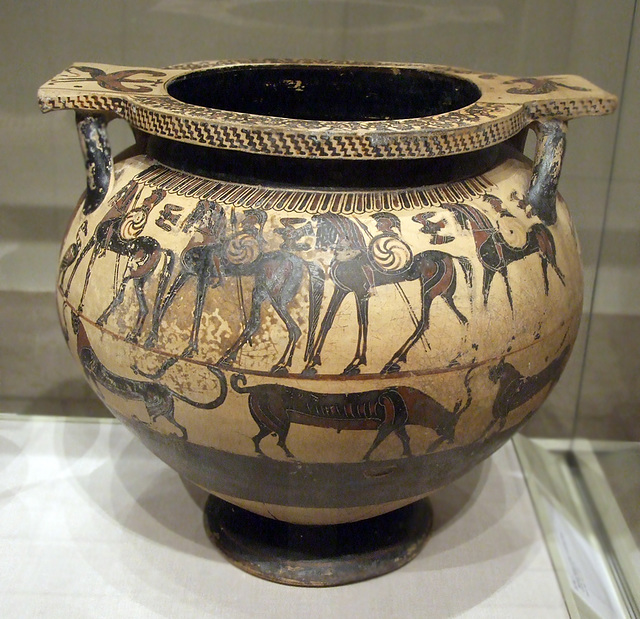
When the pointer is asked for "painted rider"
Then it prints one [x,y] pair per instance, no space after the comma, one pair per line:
[246,243]
[209,220]
[388,252]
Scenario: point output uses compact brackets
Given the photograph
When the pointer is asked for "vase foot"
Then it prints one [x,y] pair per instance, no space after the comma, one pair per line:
[318,555]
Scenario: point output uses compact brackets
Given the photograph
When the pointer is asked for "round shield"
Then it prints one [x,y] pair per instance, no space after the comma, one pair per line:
[242,249]
[133,223]
[390,254]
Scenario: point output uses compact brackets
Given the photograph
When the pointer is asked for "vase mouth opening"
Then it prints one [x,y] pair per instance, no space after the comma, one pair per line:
[328,93]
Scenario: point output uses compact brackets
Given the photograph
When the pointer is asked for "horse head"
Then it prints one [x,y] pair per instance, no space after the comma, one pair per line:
[460,214]
[496,372]
[335,231]
[428,226]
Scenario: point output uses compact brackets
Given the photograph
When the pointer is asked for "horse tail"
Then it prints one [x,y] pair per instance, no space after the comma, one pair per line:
[167,270]
[459,408]
[543,239]
[546,246]
[83,252]
[316,293]
[222,396]
[467,270]
[236,380]
[160,372]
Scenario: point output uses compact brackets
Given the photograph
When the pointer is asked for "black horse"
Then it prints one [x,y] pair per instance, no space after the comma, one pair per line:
[357,269]
[143,254]
[277,278]
[495,254]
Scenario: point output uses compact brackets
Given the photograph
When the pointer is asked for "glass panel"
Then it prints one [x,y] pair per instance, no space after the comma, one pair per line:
[609,402]
[594,485]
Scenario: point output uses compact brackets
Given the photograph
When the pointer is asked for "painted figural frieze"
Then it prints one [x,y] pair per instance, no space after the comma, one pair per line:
[288,282]
[159,400]
[359,266]
[274,408]
[234,250]
[227,248]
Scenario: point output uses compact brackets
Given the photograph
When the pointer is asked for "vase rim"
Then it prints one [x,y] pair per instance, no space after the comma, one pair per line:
[346,96]
[477,110]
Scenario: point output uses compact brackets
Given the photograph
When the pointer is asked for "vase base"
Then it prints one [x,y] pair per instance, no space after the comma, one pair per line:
[318,555]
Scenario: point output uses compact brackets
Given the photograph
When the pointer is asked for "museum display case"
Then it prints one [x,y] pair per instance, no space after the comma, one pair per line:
[558,504]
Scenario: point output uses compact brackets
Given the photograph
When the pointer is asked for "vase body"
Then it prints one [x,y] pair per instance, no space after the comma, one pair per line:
[315,331]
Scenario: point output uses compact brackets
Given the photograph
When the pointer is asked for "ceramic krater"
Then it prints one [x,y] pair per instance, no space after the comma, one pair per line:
[321,291]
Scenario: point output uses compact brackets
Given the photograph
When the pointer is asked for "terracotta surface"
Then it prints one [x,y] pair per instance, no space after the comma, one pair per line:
[321,355]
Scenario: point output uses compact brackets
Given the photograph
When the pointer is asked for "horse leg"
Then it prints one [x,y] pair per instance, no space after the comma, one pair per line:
[556,268]
[545,275]
[162,306]
[117,300]
[294,332]
[546,261]
[487,278]
[143,308]
[201,293]
[140,275]
[547,250]
[316,293]
[116,272]
[92,259]
[78,260]
[63,271]
[505,276]
[163,282]
[447,295]
[334,305]
[360,358]
[260,295]
[423,324]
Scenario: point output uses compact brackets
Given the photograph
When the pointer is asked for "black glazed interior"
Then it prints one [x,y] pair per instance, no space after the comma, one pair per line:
[328,93]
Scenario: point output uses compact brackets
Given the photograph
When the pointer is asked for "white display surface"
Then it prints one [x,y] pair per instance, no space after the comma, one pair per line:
[94,525]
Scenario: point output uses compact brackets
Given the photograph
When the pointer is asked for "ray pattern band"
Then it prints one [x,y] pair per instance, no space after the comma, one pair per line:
[321,291]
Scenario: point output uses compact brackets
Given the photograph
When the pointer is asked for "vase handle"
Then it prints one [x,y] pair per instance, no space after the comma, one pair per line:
[556,96]
[98,93]
[543,186]
[550,102]
[94,143]
[99,87]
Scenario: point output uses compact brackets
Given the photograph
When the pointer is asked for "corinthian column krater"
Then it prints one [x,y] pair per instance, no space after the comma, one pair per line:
[321,291]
